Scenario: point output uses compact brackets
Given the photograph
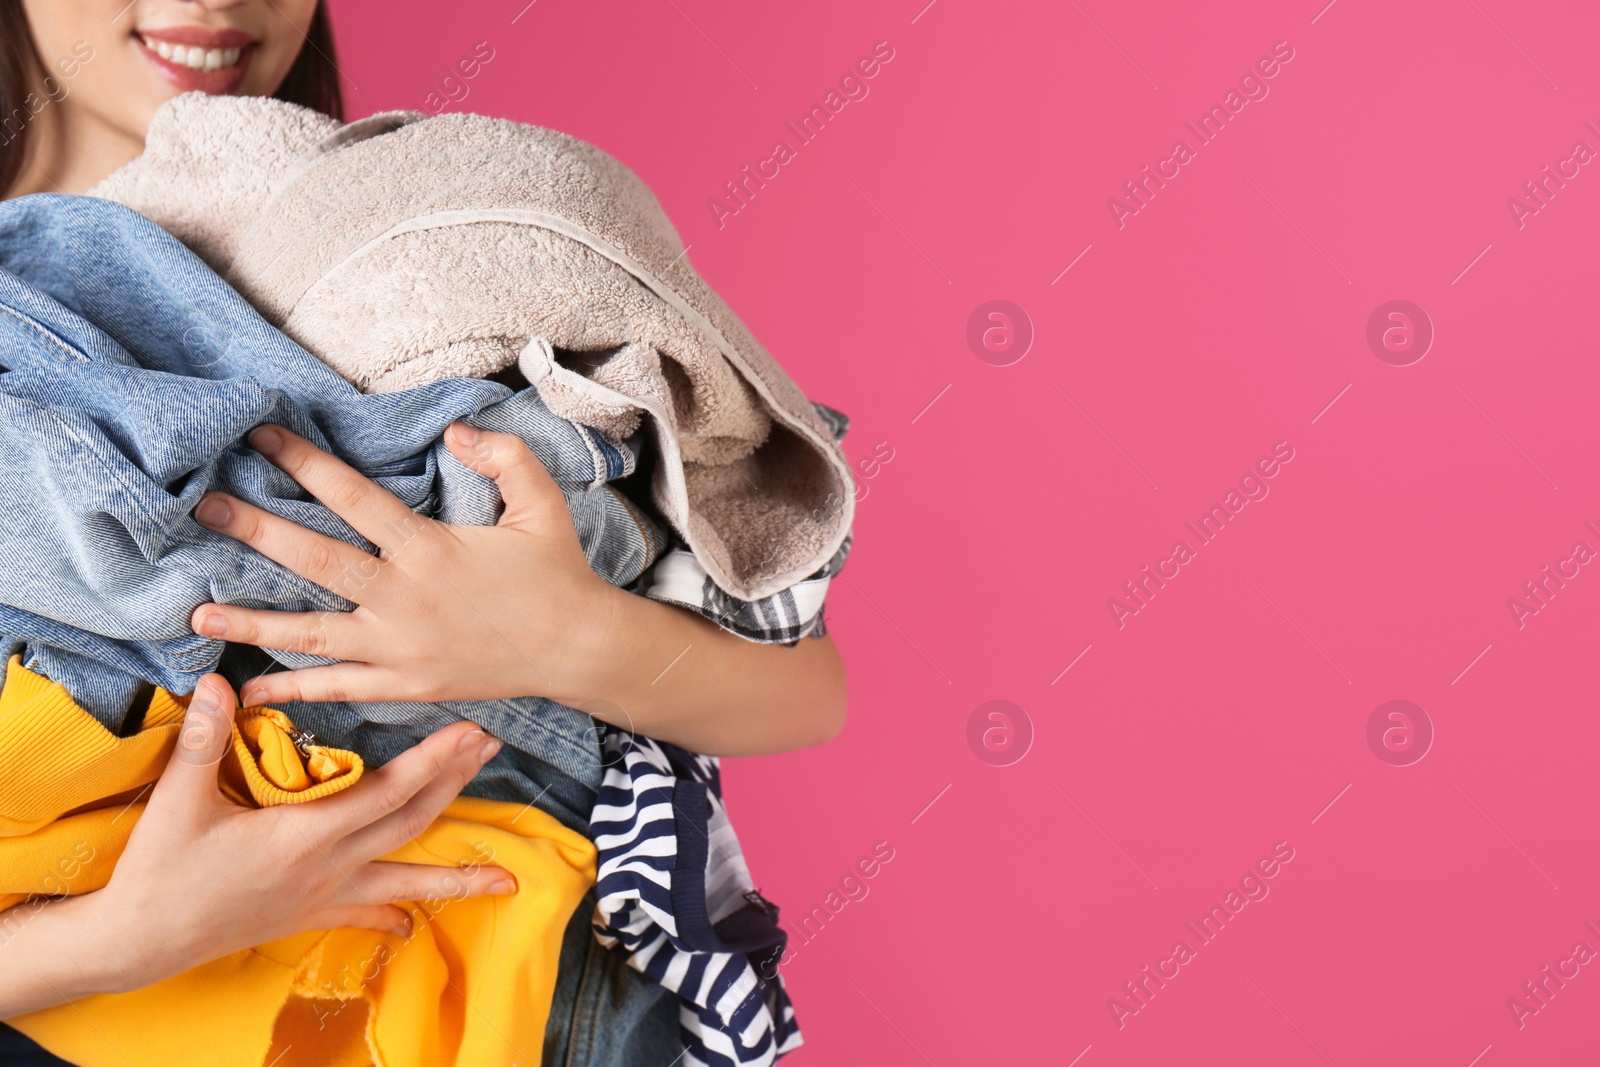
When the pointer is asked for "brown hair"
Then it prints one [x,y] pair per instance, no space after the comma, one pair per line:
[313,80]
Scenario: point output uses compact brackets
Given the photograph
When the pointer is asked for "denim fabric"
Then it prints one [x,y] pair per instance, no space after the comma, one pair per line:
[133,374]
[605,1013]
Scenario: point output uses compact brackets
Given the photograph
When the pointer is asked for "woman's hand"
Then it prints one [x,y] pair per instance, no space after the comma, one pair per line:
[202,877]
[451,612]
[446,612]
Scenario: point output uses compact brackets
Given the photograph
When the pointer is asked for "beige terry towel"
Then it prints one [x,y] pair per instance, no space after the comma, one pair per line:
[402,249]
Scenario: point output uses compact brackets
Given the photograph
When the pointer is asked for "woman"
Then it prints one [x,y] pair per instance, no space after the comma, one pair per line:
[459,613]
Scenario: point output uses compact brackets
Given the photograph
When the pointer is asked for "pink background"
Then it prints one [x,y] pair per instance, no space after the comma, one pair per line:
[1222,318]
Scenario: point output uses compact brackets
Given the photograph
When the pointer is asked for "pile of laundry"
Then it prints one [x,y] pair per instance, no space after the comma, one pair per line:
[366,285]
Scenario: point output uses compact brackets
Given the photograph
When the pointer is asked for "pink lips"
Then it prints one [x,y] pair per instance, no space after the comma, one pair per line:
[187,79]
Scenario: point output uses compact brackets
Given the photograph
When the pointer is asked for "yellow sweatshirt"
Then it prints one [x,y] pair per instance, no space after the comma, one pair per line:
[472,985]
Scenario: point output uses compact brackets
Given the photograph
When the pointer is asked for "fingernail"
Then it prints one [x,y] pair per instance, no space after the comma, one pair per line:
[504,885]
[467,435]
[489,749]
[267,440]
[212,624]
[468,739]
[403,928]
[213,511]
[252,696]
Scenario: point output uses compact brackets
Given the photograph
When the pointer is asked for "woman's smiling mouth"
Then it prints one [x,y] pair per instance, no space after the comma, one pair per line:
[197,58]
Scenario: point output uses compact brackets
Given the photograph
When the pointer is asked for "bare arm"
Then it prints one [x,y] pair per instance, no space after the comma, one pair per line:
[488,612]
[716,692]
[54,953]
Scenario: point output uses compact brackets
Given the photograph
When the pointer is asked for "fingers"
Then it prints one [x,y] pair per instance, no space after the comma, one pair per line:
[373,511]
[189,783]
[335,634]
[454,754]
[337,682]
[332,564]
[382,882]
[385,917]
[530,494]
[381,886]
[407,822]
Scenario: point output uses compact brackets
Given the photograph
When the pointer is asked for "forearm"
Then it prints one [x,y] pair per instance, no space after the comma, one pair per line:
[680,678]
[52,953]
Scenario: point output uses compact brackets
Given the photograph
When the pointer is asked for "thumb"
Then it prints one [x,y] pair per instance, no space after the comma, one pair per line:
[531,495]
[190,778]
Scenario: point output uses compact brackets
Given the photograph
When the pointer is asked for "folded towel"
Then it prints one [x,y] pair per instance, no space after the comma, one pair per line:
[402,249]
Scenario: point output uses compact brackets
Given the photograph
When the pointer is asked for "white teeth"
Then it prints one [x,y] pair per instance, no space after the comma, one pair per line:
[194,58]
